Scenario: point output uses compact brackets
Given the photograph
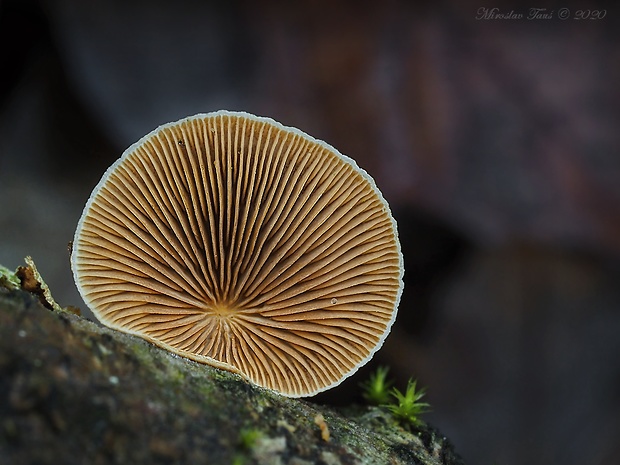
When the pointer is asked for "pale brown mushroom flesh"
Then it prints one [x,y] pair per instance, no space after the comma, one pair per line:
[244,244]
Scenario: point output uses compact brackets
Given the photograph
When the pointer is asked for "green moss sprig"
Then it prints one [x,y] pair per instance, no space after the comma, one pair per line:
[376,390]
[408,407]
[405,408]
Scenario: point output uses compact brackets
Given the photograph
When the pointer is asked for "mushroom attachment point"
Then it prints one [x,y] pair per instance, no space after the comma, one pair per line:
[244,244]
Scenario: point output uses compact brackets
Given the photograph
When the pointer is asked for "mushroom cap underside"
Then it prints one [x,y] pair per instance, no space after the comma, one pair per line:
[238,242]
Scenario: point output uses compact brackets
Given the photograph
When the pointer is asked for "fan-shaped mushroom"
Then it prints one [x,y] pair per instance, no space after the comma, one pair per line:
[237,242]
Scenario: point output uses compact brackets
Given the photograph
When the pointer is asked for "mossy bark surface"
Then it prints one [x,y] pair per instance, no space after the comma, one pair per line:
[74,392]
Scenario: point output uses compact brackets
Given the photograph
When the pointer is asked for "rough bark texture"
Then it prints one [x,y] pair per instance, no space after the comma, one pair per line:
[72,391]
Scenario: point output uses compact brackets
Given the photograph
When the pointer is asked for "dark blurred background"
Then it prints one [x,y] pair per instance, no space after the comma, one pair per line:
[495,141]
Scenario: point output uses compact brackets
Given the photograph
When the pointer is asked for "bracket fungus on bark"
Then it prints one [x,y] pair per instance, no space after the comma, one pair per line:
[244,244]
